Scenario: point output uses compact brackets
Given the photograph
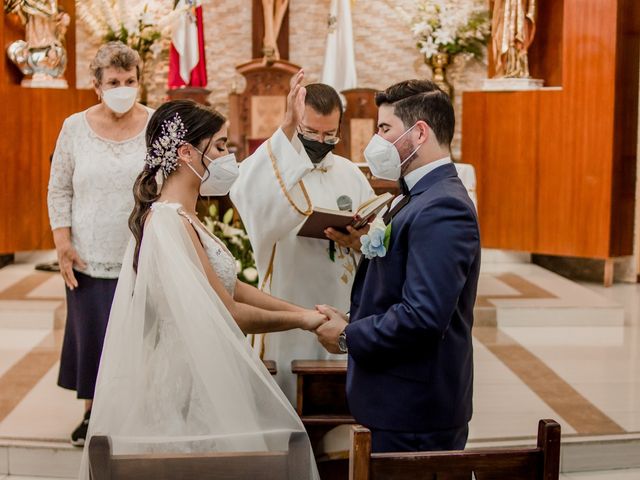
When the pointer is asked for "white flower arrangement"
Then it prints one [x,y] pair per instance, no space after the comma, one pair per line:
[450,26]
[141,26]
[236,240]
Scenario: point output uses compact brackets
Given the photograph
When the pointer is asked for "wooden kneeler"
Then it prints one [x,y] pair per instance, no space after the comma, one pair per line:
[538,463]
[291,465]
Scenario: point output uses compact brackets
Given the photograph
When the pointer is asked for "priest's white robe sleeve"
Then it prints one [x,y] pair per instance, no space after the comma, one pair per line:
[269,195]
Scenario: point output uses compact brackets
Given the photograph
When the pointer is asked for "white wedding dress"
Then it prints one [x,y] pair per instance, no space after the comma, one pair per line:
[176,373]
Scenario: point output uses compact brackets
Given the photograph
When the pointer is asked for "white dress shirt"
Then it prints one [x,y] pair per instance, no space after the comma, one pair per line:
[413,177]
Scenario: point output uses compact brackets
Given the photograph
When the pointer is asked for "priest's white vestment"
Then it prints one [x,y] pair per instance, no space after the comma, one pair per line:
[277,189]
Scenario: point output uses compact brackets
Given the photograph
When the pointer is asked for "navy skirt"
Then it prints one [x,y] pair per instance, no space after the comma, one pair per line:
[88,308]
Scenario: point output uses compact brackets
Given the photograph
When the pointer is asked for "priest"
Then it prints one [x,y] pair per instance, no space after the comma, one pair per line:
[279,185]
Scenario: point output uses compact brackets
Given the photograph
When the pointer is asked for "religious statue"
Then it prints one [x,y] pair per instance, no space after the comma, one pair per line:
[274,11]
[42,54]
[513,27]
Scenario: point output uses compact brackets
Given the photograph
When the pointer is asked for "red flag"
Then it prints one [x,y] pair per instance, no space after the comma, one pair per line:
[187,55]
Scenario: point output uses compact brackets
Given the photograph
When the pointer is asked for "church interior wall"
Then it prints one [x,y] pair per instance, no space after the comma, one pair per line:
[385,53]
[385,49]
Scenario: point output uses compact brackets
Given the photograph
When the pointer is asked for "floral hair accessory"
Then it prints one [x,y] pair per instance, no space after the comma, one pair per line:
[163,153]
[376,242]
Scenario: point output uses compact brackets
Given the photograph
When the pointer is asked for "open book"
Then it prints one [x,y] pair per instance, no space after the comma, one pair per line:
[323,218]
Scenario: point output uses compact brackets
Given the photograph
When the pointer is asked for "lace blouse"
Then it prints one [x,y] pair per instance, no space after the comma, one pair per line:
[90,190]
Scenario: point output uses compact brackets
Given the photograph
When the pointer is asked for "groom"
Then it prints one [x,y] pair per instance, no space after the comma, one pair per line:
[410,368]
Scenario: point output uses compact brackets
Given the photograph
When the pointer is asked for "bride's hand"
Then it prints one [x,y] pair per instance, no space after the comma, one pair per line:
[312,319]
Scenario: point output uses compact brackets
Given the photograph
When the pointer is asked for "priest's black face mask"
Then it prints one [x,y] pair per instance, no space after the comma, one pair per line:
[316,150]
[319,133]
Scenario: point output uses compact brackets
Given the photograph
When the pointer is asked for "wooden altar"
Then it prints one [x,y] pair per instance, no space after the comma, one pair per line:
[31,121]
[556,167]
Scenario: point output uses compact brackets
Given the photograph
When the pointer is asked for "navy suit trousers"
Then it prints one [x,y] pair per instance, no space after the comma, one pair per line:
[383,441]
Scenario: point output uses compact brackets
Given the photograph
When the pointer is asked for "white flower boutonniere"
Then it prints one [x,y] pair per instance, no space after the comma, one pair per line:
[376,242]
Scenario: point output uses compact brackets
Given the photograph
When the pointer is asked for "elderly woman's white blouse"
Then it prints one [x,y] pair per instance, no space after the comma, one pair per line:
[90,190]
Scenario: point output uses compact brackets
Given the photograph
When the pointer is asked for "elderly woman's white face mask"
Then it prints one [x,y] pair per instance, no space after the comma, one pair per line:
[119,89]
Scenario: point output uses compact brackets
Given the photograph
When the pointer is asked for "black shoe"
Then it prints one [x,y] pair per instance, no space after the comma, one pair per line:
[80,433]
[48,267]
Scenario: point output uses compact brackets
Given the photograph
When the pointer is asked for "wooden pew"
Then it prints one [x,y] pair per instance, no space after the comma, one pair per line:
[539,463]
[271,366]
[321,396]
[291,465]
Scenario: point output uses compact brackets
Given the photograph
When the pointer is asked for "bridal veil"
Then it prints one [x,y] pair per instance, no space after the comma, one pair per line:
[177,374]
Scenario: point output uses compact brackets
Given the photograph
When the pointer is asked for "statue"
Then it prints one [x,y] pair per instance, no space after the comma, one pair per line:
[274,11]
[42,54]
[513,27]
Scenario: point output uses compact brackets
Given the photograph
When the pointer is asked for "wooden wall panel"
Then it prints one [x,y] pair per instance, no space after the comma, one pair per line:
[555,182]
[504,142]
[30,123]
[545,55]
[579,140]
[625,151]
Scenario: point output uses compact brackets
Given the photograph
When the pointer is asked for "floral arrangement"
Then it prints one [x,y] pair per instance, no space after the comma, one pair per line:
[236,240]
[141,26]
[376,242]
[450,26]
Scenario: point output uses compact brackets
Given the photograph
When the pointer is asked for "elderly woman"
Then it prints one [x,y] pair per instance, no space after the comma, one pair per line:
[99,153]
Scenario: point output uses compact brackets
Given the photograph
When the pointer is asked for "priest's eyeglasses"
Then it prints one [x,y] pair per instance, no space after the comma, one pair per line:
[319,137]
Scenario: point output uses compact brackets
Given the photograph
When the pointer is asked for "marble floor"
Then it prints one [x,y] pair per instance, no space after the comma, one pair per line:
[545,347]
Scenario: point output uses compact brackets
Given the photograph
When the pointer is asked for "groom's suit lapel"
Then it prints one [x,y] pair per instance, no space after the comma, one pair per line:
[433,177]
[426,182]
[430,179]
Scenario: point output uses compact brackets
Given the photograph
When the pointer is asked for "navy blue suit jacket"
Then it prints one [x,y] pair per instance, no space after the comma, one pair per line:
[410,365]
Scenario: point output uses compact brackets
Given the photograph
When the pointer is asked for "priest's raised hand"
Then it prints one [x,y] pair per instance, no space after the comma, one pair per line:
[295,105]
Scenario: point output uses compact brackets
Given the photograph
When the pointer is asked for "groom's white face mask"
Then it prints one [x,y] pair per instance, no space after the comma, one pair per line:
[384,156]
[384,159]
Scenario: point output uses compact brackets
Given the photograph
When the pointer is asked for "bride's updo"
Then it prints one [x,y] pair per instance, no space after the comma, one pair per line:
[174,124]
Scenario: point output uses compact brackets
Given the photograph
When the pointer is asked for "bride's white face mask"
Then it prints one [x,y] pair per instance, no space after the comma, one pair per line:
[223,172]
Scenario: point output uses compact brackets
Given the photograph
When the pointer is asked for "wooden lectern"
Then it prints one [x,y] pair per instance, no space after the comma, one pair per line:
[556,167]
[257,112]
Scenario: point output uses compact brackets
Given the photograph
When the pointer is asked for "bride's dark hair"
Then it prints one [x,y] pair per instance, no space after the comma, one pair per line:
[201,124]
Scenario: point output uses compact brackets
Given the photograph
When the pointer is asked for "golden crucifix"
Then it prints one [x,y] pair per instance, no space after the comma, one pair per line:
[274,11]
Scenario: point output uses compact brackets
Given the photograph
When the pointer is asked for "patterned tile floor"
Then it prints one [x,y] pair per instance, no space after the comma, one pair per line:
[545,347]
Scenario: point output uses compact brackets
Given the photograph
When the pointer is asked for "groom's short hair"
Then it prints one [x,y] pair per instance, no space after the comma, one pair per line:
[414,100]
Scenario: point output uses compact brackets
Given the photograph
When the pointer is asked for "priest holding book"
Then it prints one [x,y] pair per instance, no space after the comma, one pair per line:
[280,185]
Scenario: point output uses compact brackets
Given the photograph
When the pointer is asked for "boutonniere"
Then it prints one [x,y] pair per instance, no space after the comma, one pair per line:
[376,242]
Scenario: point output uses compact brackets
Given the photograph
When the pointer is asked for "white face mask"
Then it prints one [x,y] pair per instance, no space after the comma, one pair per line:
[223,172]
[383,157]
[120,99]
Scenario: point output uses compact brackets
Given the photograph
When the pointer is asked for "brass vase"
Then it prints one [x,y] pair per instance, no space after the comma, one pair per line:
[439,63]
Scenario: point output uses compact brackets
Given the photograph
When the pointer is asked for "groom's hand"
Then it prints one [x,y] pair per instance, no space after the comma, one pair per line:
[329,332]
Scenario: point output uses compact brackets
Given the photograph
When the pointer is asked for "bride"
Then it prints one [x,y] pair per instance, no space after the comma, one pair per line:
[177,374]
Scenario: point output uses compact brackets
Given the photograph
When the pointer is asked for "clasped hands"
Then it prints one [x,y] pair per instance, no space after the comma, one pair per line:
[327,323]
